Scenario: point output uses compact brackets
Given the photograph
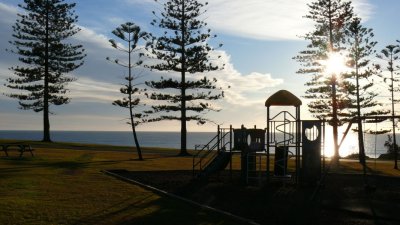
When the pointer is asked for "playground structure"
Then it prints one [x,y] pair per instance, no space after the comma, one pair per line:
[285,137]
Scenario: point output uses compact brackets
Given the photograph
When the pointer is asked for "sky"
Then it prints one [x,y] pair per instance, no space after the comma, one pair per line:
[259,39]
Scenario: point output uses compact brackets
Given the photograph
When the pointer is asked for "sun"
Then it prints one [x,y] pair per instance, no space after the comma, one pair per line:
[335,63]
[349,146]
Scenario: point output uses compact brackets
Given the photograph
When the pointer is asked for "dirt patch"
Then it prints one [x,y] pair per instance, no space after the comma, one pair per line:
[342,199]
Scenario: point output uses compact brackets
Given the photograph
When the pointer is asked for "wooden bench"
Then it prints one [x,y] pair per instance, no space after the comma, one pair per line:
[19,147]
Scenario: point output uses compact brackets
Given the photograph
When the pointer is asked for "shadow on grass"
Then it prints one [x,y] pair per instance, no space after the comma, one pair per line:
[152,158]
[173,213]
[263,204]
[346,168]
[81,162]
[161,210]
[112,211]
[93,147]
[342,200]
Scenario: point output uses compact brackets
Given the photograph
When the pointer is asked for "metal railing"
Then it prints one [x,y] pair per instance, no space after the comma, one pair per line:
[209,151]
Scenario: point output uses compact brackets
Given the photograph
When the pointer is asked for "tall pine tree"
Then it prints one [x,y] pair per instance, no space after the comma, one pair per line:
[131,34]
[40,41]
[391,54]
[327,94]
[182,48]
[361,51]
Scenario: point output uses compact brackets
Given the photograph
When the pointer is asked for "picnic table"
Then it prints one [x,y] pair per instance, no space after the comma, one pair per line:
[16,146]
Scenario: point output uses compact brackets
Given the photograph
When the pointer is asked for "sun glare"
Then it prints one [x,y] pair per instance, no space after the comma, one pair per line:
[348,147]
[336,63]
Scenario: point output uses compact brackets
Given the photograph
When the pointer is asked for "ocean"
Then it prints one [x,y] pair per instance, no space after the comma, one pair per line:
[172,139]
[118,138]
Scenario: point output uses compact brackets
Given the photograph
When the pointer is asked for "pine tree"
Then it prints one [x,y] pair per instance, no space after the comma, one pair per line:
[360,40]
[130,33]
[327,94]
[183,48]
[391,54]
[40,41]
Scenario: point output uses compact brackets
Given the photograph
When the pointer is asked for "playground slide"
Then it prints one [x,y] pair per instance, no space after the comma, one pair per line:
[217,164]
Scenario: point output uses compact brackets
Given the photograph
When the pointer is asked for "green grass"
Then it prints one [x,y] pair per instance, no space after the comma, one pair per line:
[64,185]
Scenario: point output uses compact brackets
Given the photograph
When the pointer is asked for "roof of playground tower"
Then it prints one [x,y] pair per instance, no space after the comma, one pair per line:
[283,98]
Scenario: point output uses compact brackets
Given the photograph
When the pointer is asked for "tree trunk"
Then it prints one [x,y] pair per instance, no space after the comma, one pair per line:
[183,88]
[139,151]
[335,122]
[359,122]
[183,122]
[46,121]
[183,116]
[393,122]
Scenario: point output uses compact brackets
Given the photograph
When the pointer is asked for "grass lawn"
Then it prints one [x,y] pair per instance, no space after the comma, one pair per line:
[63,184]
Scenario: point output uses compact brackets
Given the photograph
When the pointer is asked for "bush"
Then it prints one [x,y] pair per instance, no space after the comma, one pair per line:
[355,156]
[389,146]
[390,149]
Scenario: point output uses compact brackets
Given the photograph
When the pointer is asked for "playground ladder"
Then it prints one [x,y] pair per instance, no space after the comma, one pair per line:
[215,154]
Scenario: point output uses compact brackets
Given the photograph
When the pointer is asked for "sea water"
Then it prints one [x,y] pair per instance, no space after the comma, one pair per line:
[119,138]
[172,139]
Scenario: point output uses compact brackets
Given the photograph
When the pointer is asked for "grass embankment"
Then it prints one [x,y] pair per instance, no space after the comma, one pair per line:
[63,184]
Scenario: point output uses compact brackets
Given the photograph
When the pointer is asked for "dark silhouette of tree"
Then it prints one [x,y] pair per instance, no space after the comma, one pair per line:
[183,48]
[391,54]
[40,35]
[328,95]
[391,147]
[131,34]
[361,48]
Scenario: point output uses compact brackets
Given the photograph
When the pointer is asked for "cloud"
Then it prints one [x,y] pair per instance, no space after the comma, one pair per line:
[270,20]
[88,90]
[90,37]
[363,9]
[5,73]
[242,86]
[260,19]
[238,88]
[116,21]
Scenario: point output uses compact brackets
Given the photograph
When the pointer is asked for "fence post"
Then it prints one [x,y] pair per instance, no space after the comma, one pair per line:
[218,139]
[193,167]
[230,149]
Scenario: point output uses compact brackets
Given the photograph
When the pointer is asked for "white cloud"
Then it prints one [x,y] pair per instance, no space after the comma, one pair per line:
[245,89]
[242,86]
[271,20]
[89,36]
[363,9]
[88,90]
[116,21]
[5,73]
[261,19]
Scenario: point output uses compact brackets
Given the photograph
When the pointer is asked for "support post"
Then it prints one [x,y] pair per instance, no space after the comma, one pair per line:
[298,131]
[218,139]
[323,140]
[267,144]
[230,149]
